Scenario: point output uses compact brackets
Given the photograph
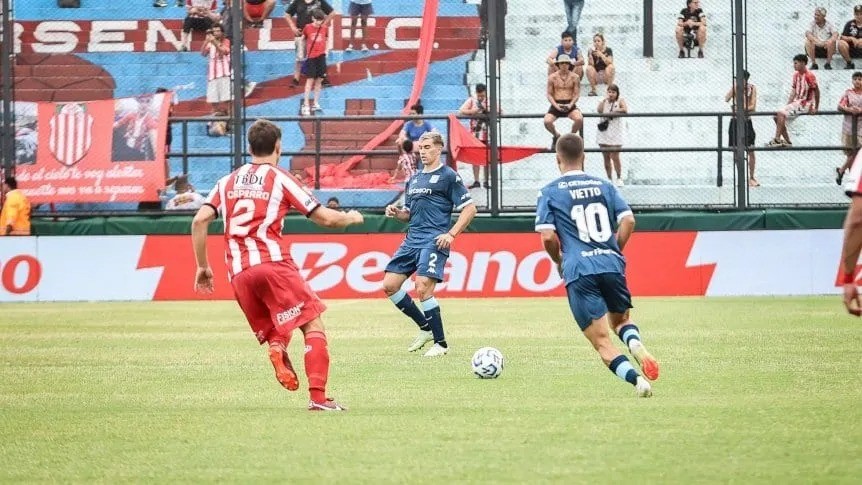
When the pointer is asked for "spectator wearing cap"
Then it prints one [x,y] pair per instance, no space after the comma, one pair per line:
[567,47]
[821,39]
[850,43]
[563,94]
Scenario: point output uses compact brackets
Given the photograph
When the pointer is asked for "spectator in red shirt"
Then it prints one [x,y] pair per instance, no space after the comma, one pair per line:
[804,98]
[256,11]
[314,66]
[302,9]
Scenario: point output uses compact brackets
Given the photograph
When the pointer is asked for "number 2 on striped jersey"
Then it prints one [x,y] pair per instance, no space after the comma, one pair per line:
[240,218]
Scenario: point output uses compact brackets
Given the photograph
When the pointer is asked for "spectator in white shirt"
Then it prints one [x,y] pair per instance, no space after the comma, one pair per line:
[821,39]
[186,199]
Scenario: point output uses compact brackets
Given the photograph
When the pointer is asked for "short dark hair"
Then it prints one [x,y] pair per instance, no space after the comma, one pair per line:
[161,90]
[565,34]
[262,137]
[418,108]
[570,147]
[334,199]
[481,88]
[856,74]
[317,14]
[11,182]
[613,87]
[407,145]
[800,58]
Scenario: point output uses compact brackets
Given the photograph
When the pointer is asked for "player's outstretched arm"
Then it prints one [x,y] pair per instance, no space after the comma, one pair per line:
[200,227]
[626,228]
[398,213]
[333,219]
[850,255]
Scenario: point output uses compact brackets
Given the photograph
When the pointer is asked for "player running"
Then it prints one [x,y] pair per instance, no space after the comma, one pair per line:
[430,196]
[577,215]
[275,298]
[852,238]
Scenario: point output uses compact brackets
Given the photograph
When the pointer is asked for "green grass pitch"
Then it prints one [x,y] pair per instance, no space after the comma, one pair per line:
[752,390]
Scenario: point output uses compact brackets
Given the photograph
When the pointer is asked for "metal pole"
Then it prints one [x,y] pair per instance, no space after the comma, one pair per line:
[648,28]
[739,112]
[317,145]
[719,179]
[493,107]
[185,145]
[238,103]
[7,130]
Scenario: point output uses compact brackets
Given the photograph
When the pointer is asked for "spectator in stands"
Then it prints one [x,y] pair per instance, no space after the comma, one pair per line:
[256,11]
[573,15]
[851,105]
[569,48]
[611,131]
[186,198]
[301,9]
[477,107]
[226,23]
[750,135]
[217,49]
[200,16]
[314,66]
[359,11]
[821,39]
[691,28]
[333,203]
[406,166]
[804,98]
[850,43]
[413,129]
[601,64]
[563,93]
[15,212]
[502,10]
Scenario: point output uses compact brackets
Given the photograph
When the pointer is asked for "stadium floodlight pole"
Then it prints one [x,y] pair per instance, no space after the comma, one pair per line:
[740,110]
[238,64]
[493,106]
[7,88]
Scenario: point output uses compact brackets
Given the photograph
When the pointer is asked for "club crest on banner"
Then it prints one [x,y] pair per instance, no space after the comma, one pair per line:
[71,133]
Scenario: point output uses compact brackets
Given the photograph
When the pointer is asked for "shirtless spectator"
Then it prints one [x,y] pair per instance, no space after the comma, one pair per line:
[850,43]
[750,135]
[563,94]
[301,9]
[601,64]
[691,24]
[821,39]
[256,11]
[569,48]
[200,16]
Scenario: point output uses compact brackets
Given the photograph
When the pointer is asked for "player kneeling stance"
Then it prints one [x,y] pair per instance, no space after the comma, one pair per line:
[577,215]
[276,299]
[430,197]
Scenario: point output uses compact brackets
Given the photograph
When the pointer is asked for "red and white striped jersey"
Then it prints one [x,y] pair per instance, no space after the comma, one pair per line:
[804,85]
[219,64]
[253,201]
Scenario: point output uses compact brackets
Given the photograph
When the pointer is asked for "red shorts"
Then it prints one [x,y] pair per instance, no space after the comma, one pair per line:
[275,298]
[255,11]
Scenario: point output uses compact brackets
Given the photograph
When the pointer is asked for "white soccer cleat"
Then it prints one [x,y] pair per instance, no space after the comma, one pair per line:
[436,350]
[422,338]
[643,387]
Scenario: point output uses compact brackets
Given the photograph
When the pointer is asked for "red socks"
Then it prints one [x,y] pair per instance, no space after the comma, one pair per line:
[316,365]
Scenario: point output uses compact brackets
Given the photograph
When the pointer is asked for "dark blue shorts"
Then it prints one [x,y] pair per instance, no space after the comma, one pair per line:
[360,10]
[591,296]
[422,261]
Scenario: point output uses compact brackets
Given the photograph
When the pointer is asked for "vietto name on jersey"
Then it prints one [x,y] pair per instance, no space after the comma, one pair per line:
[431,198]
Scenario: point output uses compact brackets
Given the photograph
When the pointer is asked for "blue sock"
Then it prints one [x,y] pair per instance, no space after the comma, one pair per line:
[624,370]
[629,332]
[435,320]
[407,306]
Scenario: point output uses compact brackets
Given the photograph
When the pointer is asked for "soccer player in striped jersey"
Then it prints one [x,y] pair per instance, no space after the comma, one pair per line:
[430,197]
[852,245]
[577,216]
[253,201]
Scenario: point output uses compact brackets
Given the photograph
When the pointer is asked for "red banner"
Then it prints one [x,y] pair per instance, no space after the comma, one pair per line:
[480,265]
[74,159]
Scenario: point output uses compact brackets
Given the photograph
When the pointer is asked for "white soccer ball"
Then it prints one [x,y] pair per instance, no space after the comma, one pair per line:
[487,363]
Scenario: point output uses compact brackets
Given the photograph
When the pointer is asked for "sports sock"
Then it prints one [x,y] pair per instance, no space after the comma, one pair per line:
[316,365]
[408,307]
[434,320]
[629,332]
[279,341]
[624,370]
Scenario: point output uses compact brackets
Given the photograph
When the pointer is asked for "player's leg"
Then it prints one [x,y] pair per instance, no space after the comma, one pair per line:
[591,313]
[429,273]
[616,295]
[317,366]
[402,265]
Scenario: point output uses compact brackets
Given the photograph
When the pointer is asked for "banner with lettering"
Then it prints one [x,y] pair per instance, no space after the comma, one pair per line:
[96,151]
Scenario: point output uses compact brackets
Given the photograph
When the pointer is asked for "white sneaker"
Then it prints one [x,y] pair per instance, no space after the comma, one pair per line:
[249,88]
[643,387]
[349,48]
[306,111]
[436,351]
[316,107]
[422,338]
[619,182]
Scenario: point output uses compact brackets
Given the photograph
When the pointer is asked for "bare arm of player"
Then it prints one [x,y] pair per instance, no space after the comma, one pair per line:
[850,255]
[333,219]
[625,230]
[200,227]
[551,243]
[464,218]
[398,213]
